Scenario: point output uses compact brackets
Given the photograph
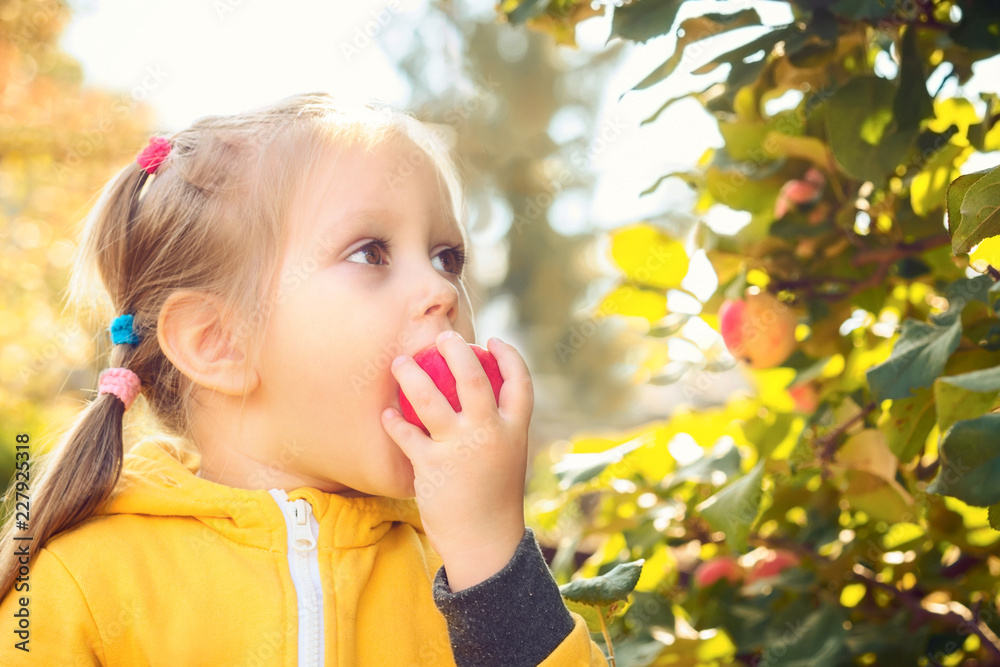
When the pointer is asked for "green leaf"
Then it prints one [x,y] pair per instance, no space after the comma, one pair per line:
[870,11]
[965,396]
[702,96]
[908,423]
[577,468]
[970,462]
[816,43]
[929,188]
[702,469]
[980,211]
[956,193]
[742,72]
[917,359]
[959,294]
[734,509]
[738,55]
[605,589]
[994,516]
[979,27]
[734,189]
[691,179]
[818,640]
[803,147]
[866,138]
[875,496]
[913,103]
[528,9]
[694,30]
[964,290]
[644,19]
[589,613]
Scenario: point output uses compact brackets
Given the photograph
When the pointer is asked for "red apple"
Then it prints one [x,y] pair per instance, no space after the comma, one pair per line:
[800,195]
[758,329]
[714,569]
[805,396]
[773,564]
[434,364]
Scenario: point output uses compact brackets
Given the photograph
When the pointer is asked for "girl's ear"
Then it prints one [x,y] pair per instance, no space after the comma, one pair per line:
[193,334]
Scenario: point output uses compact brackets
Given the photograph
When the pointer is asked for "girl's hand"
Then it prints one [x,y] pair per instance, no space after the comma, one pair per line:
[469,475]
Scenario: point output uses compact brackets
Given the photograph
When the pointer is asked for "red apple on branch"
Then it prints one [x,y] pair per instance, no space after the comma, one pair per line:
[773,564]
[713,569]
[758,329]
[435,365]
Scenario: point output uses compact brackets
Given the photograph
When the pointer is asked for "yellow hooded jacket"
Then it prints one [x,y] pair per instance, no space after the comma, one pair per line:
[178,570]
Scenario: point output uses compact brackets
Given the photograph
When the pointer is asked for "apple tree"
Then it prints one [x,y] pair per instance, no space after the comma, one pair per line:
[846,510]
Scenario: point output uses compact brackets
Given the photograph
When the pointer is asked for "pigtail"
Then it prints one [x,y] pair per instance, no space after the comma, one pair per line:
[70,482]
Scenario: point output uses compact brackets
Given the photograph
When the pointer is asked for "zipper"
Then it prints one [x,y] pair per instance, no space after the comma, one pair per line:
[303,563]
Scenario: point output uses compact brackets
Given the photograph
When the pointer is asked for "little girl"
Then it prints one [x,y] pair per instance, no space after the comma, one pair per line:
[262,269]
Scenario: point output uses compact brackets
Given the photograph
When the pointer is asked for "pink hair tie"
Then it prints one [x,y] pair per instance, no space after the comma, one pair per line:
[154,154]
[121,382]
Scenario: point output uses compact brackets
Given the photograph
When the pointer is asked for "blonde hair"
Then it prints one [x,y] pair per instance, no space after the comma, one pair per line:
[211,220]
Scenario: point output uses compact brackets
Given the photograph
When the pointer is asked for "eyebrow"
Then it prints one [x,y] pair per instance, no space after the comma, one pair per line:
[367,220]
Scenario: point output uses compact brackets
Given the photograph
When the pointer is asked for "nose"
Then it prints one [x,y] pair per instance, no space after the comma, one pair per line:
[440,297]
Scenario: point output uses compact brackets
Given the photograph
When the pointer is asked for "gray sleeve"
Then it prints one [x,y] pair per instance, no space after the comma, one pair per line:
[515,618]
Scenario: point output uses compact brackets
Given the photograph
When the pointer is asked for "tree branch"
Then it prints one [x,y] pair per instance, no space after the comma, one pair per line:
[951,613]
[828,443]
[893,253]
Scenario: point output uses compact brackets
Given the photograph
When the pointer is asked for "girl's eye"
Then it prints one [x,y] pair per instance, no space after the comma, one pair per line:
[453,259]
[457,259]
[373,248]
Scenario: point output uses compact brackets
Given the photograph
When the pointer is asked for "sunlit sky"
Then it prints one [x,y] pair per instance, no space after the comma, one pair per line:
[190,58]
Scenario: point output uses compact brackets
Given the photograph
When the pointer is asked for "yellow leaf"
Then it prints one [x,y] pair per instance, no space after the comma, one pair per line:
[987,252]
[805,148]
[992,140]
[927,191]
[869,451]
[772,386]
[718,647]
[649,256]
[628,300]
[877,497]
[955,111]
[900,534]
[726,265]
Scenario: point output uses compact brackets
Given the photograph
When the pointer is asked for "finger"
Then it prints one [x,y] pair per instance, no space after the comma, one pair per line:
[427,400]
[407,436]
[475,393]
[517,394]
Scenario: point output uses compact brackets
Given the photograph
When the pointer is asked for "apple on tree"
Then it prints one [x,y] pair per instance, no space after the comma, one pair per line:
[435,365]
[773,564]
[758,329]
[802,195]
[714,569]
[806,397]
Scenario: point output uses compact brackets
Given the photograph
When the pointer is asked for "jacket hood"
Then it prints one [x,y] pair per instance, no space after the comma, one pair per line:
[159,478]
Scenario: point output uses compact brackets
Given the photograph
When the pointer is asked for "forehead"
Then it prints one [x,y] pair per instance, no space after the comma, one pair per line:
[367,188]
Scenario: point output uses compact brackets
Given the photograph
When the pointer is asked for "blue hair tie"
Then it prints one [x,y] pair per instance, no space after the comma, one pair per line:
[122,332]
